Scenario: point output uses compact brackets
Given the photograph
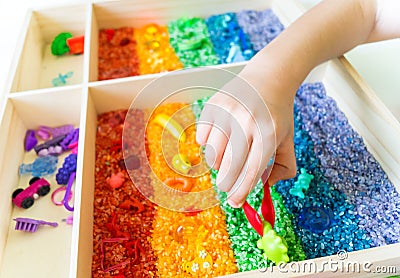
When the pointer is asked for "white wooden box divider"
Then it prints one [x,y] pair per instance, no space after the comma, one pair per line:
[30,101]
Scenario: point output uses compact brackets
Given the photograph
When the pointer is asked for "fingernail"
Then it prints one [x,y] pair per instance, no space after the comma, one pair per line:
[198,140]
[234,204]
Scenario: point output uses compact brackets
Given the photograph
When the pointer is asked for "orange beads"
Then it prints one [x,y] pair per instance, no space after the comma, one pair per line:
[155,53]
[185,244]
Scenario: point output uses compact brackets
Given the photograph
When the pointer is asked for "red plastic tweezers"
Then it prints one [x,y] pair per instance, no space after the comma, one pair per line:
[267,209]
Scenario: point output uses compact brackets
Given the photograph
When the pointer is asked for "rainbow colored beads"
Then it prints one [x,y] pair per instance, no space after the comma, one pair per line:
[184,43]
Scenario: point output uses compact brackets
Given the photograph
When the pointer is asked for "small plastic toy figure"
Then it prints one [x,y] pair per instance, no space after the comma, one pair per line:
[116,180]
[50,143]
[179,183]
[68,167]
[72,137]
[30,140]
[172,126]
[316,219]
[46,132]
[274,246]
[181,163]
[42,166]
[302,184]
[24,198]
[31,225]
[76,45]
[59,45]
[64,43]
[61,79]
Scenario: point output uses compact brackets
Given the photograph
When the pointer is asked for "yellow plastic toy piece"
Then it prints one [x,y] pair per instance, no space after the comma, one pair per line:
[172,126]
[274,246]
[181,163]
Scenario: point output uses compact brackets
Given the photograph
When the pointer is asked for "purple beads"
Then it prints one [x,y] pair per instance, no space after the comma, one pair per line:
[261,26]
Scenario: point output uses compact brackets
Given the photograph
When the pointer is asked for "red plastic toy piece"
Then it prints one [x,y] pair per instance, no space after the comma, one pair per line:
[116,180]
[267,209]
[253,217]
[103,256]
[76,45]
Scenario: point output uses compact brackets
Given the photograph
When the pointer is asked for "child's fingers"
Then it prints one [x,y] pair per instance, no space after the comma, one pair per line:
[216,145]
[233,160]
[204,125]
[251,172]
[285,162]
[203,130]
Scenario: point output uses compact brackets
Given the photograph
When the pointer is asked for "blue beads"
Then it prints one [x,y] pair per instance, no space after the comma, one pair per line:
[68,167]
[261,26]
[230,43]
[320,194]
[350,203]
[42,166]
[349,166]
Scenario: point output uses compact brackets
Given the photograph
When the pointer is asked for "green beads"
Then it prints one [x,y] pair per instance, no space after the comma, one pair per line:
[243,237]
[284,228]
[190,39]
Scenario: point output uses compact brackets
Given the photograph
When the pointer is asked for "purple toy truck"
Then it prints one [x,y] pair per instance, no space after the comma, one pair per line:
[24,198]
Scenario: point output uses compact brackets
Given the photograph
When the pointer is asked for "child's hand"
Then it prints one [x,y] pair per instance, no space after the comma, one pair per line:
[241,137]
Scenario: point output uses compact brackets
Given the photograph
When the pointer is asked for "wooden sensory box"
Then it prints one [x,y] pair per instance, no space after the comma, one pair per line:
[29,101]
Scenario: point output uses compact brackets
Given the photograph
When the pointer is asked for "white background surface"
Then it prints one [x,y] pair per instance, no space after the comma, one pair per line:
[378,63]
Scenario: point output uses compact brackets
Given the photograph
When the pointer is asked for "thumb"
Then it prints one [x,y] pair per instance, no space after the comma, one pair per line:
[285,162]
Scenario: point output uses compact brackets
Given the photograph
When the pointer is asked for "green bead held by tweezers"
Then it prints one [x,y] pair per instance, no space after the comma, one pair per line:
[274,247]
[302,184]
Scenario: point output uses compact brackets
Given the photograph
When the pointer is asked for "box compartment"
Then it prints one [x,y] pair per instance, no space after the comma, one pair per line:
[46,251]
[67,251]
[364,111]
[37,66]
[117,14]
